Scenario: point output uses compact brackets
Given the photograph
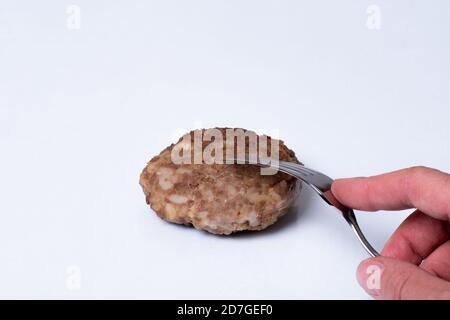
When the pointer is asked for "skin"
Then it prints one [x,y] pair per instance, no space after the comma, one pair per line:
[415,262]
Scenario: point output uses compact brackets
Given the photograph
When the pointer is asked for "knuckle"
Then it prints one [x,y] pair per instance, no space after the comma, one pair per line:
[399,284]
[446,183]
[412,183]
[418,192]
[371,204]
[415,174]
[419,170]
[368,193]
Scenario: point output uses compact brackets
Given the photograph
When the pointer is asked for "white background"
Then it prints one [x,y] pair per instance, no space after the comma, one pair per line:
[83,110]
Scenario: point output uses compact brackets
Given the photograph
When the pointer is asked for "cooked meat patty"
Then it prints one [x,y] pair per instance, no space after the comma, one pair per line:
[219,198]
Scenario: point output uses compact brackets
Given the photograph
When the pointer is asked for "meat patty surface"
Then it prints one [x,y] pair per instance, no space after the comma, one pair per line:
[218,198]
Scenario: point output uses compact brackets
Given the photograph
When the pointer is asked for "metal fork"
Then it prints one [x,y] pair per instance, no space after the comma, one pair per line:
[321,184]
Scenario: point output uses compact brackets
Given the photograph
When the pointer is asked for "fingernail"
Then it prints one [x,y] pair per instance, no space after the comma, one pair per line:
[369,276]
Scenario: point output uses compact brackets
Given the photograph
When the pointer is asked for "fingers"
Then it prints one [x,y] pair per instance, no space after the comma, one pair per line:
[417,237]
[419,187]
[385,278]
[438,262]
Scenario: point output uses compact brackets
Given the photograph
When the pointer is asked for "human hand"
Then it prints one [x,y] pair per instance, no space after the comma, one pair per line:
[415,262]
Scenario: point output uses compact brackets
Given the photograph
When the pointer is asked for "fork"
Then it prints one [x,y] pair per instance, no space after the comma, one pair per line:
[321,184]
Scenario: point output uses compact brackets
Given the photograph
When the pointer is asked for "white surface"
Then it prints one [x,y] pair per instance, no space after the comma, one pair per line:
[81,111]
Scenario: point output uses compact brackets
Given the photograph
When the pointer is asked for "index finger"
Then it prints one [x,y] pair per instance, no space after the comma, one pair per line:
[419,187]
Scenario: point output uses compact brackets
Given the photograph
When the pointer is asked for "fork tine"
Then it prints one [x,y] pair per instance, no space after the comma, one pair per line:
[296,167]
[301,167]
[317,180]
[290,170]
[294,170]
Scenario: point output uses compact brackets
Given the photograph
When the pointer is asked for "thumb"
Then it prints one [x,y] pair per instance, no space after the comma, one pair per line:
[386,278]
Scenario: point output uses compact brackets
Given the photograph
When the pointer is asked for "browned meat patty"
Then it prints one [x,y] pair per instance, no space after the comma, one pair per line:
[219,198]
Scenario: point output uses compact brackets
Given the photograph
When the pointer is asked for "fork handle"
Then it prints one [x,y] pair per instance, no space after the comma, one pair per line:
[350,217]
